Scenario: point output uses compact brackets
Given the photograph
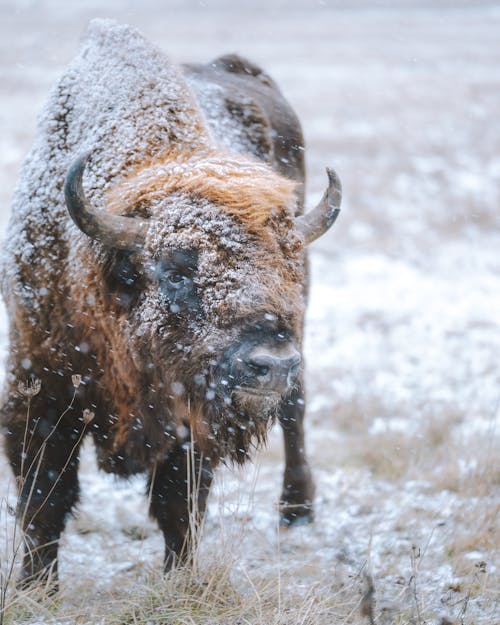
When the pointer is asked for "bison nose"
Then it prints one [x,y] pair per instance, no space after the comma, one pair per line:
[273,371]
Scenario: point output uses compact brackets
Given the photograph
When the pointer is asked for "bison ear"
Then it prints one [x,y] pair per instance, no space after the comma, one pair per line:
[316,222]
[113,231]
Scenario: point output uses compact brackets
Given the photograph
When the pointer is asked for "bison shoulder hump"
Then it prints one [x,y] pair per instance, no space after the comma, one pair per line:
[235,64]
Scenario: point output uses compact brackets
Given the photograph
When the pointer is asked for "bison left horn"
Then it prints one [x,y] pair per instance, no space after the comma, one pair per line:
[316,222]
[126,233]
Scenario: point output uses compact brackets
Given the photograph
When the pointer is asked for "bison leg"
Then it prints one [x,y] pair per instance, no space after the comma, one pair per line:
[45,462]
[179,488]
[298,488]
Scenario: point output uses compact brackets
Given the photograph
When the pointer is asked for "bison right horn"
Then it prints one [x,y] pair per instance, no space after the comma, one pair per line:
[125,233]
[316,222]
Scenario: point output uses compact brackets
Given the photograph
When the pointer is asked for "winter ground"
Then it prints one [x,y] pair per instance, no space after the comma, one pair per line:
[403,329]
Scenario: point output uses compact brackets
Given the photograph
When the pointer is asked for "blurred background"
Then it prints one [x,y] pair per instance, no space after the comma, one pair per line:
[402,98]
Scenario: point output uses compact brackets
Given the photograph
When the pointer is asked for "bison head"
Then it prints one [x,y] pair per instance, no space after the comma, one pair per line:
[198,271]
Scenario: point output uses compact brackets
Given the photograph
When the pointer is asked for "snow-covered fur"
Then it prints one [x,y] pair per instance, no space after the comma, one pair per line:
[153,154]
[153,364]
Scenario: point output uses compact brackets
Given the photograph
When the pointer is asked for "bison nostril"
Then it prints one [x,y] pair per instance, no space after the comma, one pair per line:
[259,369]
[294,369]
[273,368]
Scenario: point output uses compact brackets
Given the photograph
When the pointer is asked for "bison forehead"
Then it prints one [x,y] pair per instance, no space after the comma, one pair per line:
[236,269]
[180,221]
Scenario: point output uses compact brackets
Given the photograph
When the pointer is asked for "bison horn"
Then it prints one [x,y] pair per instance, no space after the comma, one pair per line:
[316,222]
[126,233]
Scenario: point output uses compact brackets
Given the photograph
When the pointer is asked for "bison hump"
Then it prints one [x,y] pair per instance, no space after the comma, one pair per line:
[235,64]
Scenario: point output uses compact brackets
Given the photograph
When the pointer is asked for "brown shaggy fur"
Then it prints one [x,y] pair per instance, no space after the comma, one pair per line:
[244,188]
[152,366]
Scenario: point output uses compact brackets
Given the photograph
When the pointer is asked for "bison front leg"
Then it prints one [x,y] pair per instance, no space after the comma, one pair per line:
[43,456]
[179,488]
[296,503]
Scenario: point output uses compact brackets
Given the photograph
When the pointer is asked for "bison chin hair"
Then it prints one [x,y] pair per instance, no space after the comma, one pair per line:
[235,428]
[228,423]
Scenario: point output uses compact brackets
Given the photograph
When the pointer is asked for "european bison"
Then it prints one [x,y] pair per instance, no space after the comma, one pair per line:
[154,277]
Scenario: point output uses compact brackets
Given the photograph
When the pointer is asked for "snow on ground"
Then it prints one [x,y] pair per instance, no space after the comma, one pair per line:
[403,328]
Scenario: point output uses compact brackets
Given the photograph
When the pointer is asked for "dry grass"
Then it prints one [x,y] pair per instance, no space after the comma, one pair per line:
[222,589]
[215,592]
[238,578]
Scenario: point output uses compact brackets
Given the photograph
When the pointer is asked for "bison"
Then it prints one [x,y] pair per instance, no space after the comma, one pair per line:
[154,275]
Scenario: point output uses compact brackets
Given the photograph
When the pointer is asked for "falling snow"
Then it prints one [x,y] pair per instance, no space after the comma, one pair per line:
[403,331]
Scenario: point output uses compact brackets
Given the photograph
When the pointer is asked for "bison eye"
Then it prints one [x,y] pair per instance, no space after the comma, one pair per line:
[176,279]
[175,286]
[175,275]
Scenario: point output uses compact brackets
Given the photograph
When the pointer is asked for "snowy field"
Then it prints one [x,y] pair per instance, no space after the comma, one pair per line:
[403,334]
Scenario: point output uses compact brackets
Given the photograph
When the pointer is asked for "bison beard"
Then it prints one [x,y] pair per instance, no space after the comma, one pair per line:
[177,295]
